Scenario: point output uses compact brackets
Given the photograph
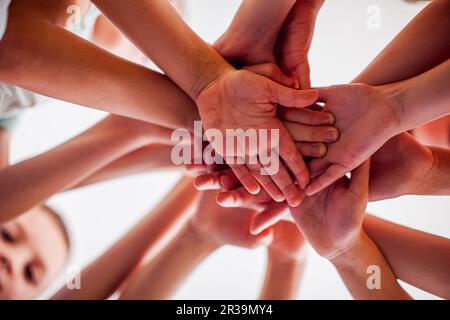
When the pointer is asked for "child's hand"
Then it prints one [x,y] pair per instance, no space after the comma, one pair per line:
[365,118]
[244,100]
[288,242]
[295,40]
[331,220]
[221,226]
[399,168]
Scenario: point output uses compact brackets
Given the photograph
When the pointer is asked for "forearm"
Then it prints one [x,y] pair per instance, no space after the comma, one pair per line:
[162,35]
[354,265]
[29,183]
[402,246]
[282,279]
[143,160]
[160,278]
[42,57]
[423,44]
[100,280]
[420,99]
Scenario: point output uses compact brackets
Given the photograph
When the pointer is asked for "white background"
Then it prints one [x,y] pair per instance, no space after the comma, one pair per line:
[99,215]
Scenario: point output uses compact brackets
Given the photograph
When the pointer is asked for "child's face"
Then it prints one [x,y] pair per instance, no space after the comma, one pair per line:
[33,251]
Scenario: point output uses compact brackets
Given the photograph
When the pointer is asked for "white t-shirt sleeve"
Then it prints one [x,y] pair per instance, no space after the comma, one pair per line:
[4,4]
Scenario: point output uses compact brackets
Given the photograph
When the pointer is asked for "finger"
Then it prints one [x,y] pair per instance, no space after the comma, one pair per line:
[266,181]
[359,182]
[303,74]
[269,217]
[246,178]
[241,198]
[317,167]
[306,116]
[271,71]
[286,185]
[293,160]
[264,238]
[291,98]
[333,173]
[195,169]
[225,180]
[313,150]
[303,133]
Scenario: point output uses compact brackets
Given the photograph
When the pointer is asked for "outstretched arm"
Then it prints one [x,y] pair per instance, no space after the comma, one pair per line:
[100,281]
[402,246]
[29,183]
[41,56]
[423,44]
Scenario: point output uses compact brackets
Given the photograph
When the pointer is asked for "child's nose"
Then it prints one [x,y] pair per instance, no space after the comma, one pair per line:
[5,264]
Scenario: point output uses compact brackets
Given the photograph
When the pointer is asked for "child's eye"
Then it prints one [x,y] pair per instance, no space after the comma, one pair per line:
[6,236]
[29,274]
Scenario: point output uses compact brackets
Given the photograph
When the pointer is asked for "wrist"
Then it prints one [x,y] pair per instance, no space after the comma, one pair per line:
[200,239]
[348,252]
[208,73]
[283,261]
[394,95]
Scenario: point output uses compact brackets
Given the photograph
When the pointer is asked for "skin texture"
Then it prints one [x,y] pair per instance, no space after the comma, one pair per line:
[332,220]
[146,238]
[28,58]
[209,228]
[33,252]
[286,258]
[111,139]
[401,246]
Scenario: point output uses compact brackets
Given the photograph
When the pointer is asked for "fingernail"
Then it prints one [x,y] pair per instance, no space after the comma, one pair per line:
[331,135]
[329,119]
[319,150]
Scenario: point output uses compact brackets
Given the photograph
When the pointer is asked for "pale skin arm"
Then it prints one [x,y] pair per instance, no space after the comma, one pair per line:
[423,44]
[100,280]
[165,273]
[146,159]
[29,183]
[421,99]
[163,36]
[352,266]
[416,257]
[41,56]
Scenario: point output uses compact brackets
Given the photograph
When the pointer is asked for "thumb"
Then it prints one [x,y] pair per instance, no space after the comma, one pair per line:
[271,71]
[303,75]
[292,98]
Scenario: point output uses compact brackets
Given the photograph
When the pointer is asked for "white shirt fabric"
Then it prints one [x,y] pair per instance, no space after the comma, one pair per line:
[14,99]
[4,4]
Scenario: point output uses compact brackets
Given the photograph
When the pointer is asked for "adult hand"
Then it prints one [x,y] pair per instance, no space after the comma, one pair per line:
[365,118]
[295,41]
[222,226]
[400,167]
[331,220]
[243,100]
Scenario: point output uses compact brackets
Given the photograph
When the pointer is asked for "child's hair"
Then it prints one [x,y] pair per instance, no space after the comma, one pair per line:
[61,224]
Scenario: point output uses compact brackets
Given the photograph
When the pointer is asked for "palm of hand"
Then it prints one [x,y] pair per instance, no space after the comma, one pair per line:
[398,167]
[365,120]
[331,218]
[225,225]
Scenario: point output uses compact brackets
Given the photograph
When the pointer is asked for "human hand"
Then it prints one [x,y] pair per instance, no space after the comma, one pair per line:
[295,41]
[365,118]
[399,168]
[331,221]
[221,226]
[243,100]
